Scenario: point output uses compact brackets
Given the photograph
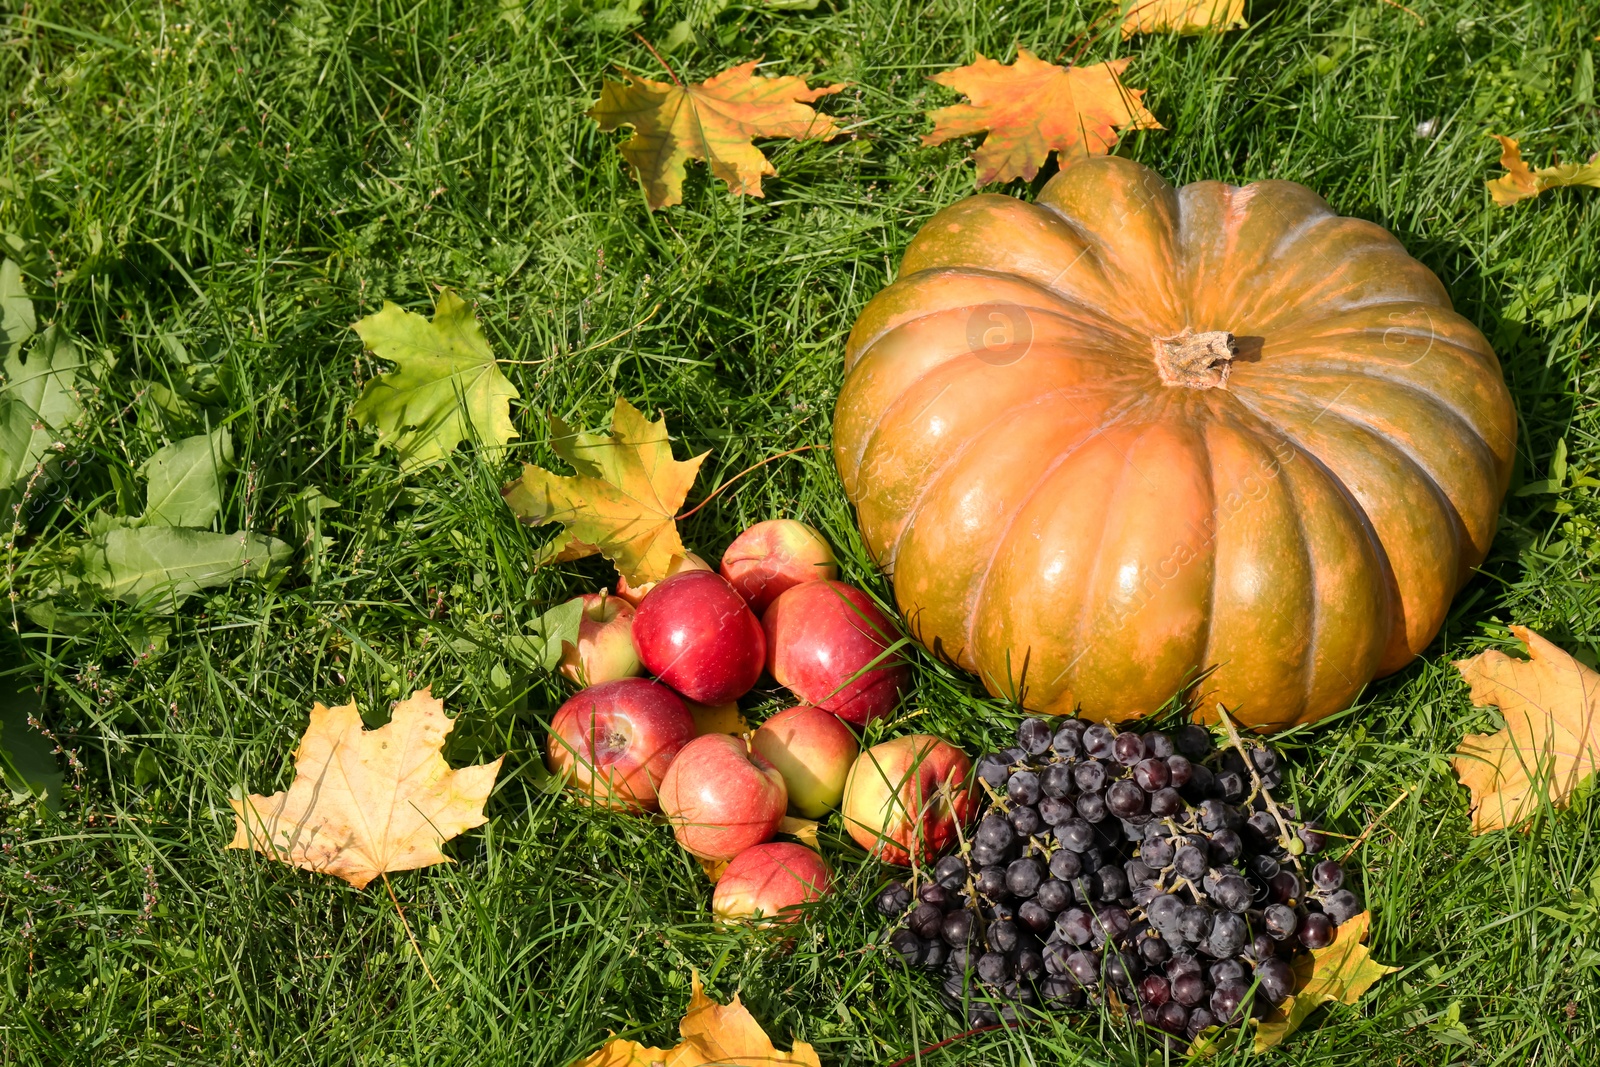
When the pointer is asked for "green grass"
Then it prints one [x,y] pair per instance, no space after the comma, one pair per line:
[207,194]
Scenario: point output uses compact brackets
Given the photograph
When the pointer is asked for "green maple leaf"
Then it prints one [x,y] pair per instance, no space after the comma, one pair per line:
[444,388]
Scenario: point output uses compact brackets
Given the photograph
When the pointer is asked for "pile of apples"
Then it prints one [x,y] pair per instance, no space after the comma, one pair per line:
[649,744]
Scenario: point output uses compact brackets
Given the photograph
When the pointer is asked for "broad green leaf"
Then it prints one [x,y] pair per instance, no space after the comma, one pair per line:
[186,480]
[38,400]
[27,759]
[624,498]
[16,310]
[165,564]
[444,388]
[541,647]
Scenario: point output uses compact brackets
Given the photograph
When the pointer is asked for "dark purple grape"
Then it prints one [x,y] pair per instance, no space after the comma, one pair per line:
[1172,1017]
[1055,812]
[1232,785]
[1061,993]
[1065,864]
[1327,875]
[1034,736]
[951,871]
[1179,771]
[1114,921]
[908,945]
[1188,988]
[934,955]
[1216,815]
[989,856]
[926,920]
[1264,825]
[1341,906]
[1122,970]
[894,900]
[1093,859]
[959,961]
[1092,806]
[1139,873]
[1164,911]
[1075,925]
[1089,776]
[1276,980]
[1023,787]
[1027,963]
[1054,894]
[1227,1001]
[1023,877]
[1158,744]
[1226,846]
[1085,967]
[994,769]
[1312,839]
[1002,910]
[1192,740]
[1067,742]
[957,927]
[1056,780]
[1075,834]
[937,895]
[1228,935]
[1154,990]
[994,830]
[991,882]
[1125,799]
[1316,930]
[1261,947]
[1202,783]
[1182,963]
[1285,887]
[1190,863]
[1099,741]
[1111,883]
[1226,971]
[1280,921]
[1199,1019]
[1151,775]
[1265,867]
[1004,935]
[1026,821]
[1232,892]
[1154,950]
[1156,851]
[1128,748]
[993,968]
[1194,922]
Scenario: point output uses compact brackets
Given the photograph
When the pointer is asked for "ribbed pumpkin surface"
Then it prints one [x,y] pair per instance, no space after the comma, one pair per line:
[1128,434]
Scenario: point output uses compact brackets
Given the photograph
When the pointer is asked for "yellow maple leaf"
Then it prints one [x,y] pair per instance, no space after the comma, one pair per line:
[1550,743]
[1519,182]
[623,499]
[1182,16]
[714,121]
[726,1035]
[365,802]
[1341,973]
[1032,108]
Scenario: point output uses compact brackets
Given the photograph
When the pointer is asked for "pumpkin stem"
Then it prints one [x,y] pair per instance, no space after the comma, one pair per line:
[1196,360]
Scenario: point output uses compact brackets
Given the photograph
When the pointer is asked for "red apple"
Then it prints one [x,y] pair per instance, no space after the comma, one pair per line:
[604,651]
[633,594]
[769,881]
[616,741]
[904,798]
[697,635]
[821,636]
[813,751]
[773,556]
[721,798]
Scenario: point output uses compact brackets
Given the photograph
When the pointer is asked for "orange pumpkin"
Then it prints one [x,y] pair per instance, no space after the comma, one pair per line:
[1110,441]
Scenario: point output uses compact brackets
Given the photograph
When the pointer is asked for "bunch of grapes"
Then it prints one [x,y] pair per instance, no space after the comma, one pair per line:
[1154,866]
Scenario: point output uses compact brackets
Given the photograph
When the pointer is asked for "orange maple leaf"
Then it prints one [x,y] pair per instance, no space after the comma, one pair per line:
[723,1034]
[1520,182]
[366,802]
[1341,973]
[1551,741]
[1032,107]
[1182,16]
[714,121]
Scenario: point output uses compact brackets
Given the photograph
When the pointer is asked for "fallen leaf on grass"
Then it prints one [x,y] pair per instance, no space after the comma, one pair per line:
[1519,182]
[1341,973]
[366,802]
[1551,740]
[445,384]
[1032,107]
[714,121]
[726,1035]
[623,499]
[38,397]
[802,830]
[185,480]
[161,566]
[1183,16]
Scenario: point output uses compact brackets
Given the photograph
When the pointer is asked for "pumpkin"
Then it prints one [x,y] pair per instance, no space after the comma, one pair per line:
[1132,441]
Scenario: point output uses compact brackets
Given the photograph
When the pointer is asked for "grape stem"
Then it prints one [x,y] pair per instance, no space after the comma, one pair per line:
[1259,789]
